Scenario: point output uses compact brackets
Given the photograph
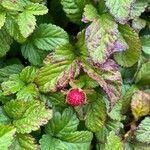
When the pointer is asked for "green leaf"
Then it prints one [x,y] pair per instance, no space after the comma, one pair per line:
[36,9]
[143,131]
[126,99]
[2,18]
[143,75]
[28,74]
[138,8]
[28,116]
[103,39]
[48,37]
[74,9]
[13,29]
[33,54]
[6,136]
[12,85]
[76,140]
[13,5]
[90,13]
[26,22]
[129,57]
[113,142]
[146,44]
[4,119]
[103,74]
[140,104]
[103,133]
[62,124]
[24,142]
[96,114]
[28,93]
[120,9]
[5,42]
[138,24]
[9,70]
[59,69]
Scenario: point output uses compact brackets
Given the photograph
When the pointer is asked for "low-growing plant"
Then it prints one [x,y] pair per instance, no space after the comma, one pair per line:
[74,75]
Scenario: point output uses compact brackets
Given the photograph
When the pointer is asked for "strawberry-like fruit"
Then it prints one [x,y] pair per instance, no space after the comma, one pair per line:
[75,97]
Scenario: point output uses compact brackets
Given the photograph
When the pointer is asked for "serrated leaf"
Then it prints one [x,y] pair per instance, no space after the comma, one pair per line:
[140,104]
[146,44]
[28,74]
[138,8]
[24,141]
[113,142]
[13,29]
[9,70]
[143,131]
[48,37]
[28,116]
[90,13]
[13,5]
[126,99]
[76,140]
[2,18]
[4,119]
[138,24]
[26,22]
[103,133]
[96,114]
[103,39]
[143,75]
[6,136]
[74,9]
[129,57]
[12,85]
[120,9]
[63,123]
[108,77]
[59,70]
[33,54]
[28,93]
[5,42]
[36,9]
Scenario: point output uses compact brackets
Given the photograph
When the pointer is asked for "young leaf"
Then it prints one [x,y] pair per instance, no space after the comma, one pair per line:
[26,22]
[96,114]
[129,57]
[36,9]
[63,123]
[143,131]
[31,115]
[113,142]
[24,141]
[90,13]
[143,75]
[120,9]
[140,104]
[74,9]
[6,136]
[103,39]
[48,37]
[59,70]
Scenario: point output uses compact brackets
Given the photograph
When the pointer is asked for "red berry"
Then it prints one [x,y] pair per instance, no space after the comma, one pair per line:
[76,97]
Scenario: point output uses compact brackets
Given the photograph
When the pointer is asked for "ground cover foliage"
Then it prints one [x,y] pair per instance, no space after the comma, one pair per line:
[100,48]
